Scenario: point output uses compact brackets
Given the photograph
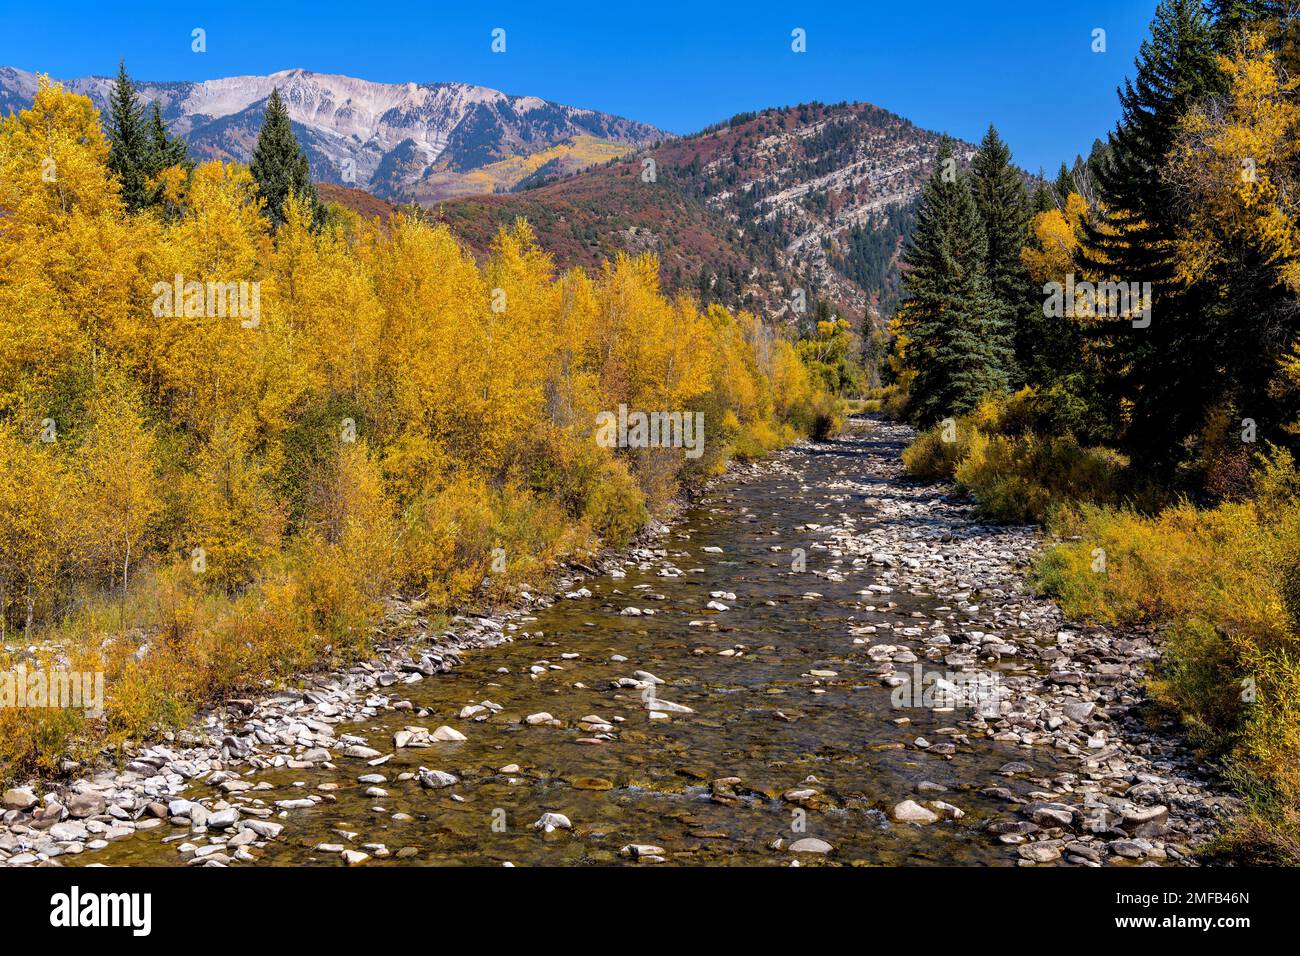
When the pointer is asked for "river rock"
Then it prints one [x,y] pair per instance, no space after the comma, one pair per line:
[1050,814]
[221,819]
[549,822]
[666,706]
[1146,821]
[266,829]
[811,845]
[1039,852]
[19,798]
[641,850]
[909,811]
[85,805]
[437,779]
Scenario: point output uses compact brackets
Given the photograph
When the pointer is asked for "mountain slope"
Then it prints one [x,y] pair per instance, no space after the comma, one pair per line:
[815,198]
[410,141]
[812,197]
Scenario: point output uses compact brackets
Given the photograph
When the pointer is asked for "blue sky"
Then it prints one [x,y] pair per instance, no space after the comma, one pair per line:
[953,66]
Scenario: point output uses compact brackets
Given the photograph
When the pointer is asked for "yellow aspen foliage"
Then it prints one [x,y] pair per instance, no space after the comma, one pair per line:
[258,436]
[325,306]
[522,305]
[39,532]
[740,393]
[216,349]
[434,333]
[350,544]
[120,497]
[792,386]
[1235,165]
[231,519]
[573,379]
[651,351]
[67,252]
[1056,235]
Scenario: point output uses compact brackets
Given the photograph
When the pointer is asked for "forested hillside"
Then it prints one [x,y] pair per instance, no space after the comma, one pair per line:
[814,198]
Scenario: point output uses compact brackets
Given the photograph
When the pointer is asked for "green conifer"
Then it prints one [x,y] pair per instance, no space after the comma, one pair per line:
[280,166]
[949,316]
[1003,204]
[128,141]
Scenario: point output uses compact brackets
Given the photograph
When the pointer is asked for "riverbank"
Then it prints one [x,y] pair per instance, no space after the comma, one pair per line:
[734,693]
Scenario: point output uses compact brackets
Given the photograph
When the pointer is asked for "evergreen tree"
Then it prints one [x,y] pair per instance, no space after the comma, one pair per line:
[280,166]
[1161,369]
[139,147]
[165,150]
[949,316]
[1064,184]
[1175,67]
[1043,198]
[1275,19]
[1001,199]
[128,141]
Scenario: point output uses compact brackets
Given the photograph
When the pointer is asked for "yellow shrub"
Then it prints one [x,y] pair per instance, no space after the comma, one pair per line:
[1217,580]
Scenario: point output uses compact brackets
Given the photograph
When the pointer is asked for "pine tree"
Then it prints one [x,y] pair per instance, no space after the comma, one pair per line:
[1161,369]
[1043,198]
[949,315]
[280,166]
[165,150]
[139,146]
[1002,202]
[1175,67]
[1064,184]
[128,139]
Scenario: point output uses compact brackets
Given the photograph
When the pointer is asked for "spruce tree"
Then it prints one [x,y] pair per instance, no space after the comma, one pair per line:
[1002,201]
[1064,184]
[165,150]
[1175,67]
[128,141]
[949,316]
[280,166]
[139,148]
[1043,197]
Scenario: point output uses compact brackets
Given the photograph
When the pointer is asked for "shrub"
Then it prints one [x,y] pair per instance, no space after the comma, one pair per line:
[1222,585]
[894,401]
[616,508]
[995,453]
[1023,479]
[931,455]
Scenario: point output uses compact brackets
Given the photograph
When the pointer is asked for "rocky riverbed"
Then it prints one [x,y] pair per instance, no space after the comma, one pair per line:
[823,662]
